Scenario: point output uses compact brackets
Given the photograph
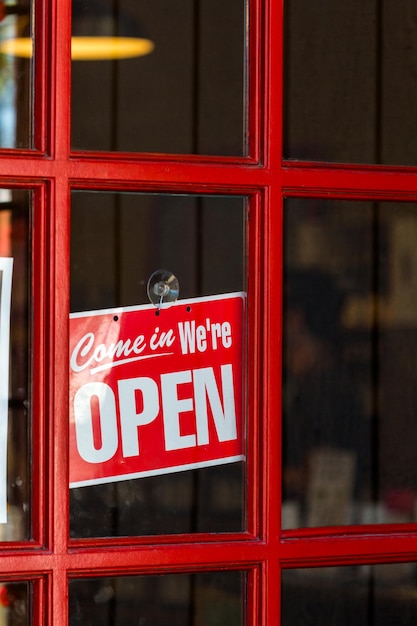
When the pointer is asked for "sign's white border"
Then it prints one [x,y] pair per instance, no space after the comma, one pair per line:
[6,268]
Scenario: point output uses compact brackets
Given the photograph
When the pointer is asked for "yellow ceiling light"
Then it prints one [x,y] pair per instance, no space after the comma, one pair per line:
[97,35]
[86,48]
[96,48]
[17,47]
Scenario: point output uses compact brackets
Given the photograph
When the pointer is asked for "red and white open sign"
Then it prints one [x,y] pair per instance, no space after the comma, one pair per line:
[155,392]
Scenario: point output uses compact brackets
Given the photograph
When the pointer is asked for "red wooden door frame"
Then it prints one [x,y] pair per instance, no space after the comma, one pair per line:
[52,171]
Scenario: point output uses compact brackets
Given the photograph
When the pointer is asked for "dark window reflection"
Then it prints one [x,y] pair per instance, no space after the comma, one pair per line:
[15,243]
[15,603]
[186,96]
[349,363]
[376,595]
[16,74]
[350,81]
[177,599]
[204,500]
[117,242]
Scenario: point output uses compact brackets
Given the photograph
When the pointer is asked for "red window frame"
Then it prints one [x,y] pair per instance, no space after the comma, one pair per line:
[52,171]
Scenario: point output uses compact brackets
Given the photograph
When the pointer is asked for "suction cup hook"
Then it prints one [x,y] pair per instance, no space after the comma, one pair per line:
[163,289]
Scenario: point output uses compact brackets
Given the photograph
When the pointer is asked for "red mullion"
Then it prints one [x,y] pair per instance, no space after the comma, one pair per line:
[57,598]
[255,93]
[273,87]
[342,533]
[18,164]
[60,79]
[272,307]
[273,276]
[255,512]
[166,560]
[59,326]
[254,595]
[162,158]
[143,542]
[169,557]
[40,374]
[359,183]
[353,195]
[272,381]
[173,173]
[350,550]
[368,168]
[40,605]
[271,595]
[41,72]
[58,419]
[87,560]
[60,96]
[362,545]
[272,346]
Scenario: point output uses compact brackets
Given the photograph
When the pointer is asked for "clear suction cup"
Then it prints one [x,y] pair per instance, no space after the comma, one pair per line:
[163,289]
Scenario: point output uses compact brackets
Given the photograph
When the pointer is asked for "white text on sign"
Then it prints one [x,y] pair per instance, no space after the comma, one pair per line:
[194,337]
[205,391]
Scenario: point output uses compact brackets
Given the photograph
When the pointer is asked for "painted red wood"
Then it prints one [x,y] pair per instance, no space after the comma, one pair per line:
[51,559]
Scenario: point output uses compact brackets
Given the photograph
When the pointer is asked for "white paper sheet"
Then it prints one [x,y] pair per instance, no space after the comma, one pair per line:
[6,267]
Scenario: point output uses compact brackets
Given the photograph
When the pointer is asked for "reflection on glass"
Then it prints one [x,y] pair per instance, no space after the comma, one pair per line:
[117,242]
[350,341]
[377,595]
[15,244]
[185,96]
[15,78]
[15,604]
[177,599]
[350,81]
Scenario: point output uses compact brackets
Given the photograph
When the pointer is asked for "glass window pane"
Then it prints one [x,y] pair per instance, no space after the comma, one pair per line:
[117,242]
[15,393]
[16,76]
[184,95]
[369,594]
[15,603]
[350,81]
[177,599]
[349,363]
